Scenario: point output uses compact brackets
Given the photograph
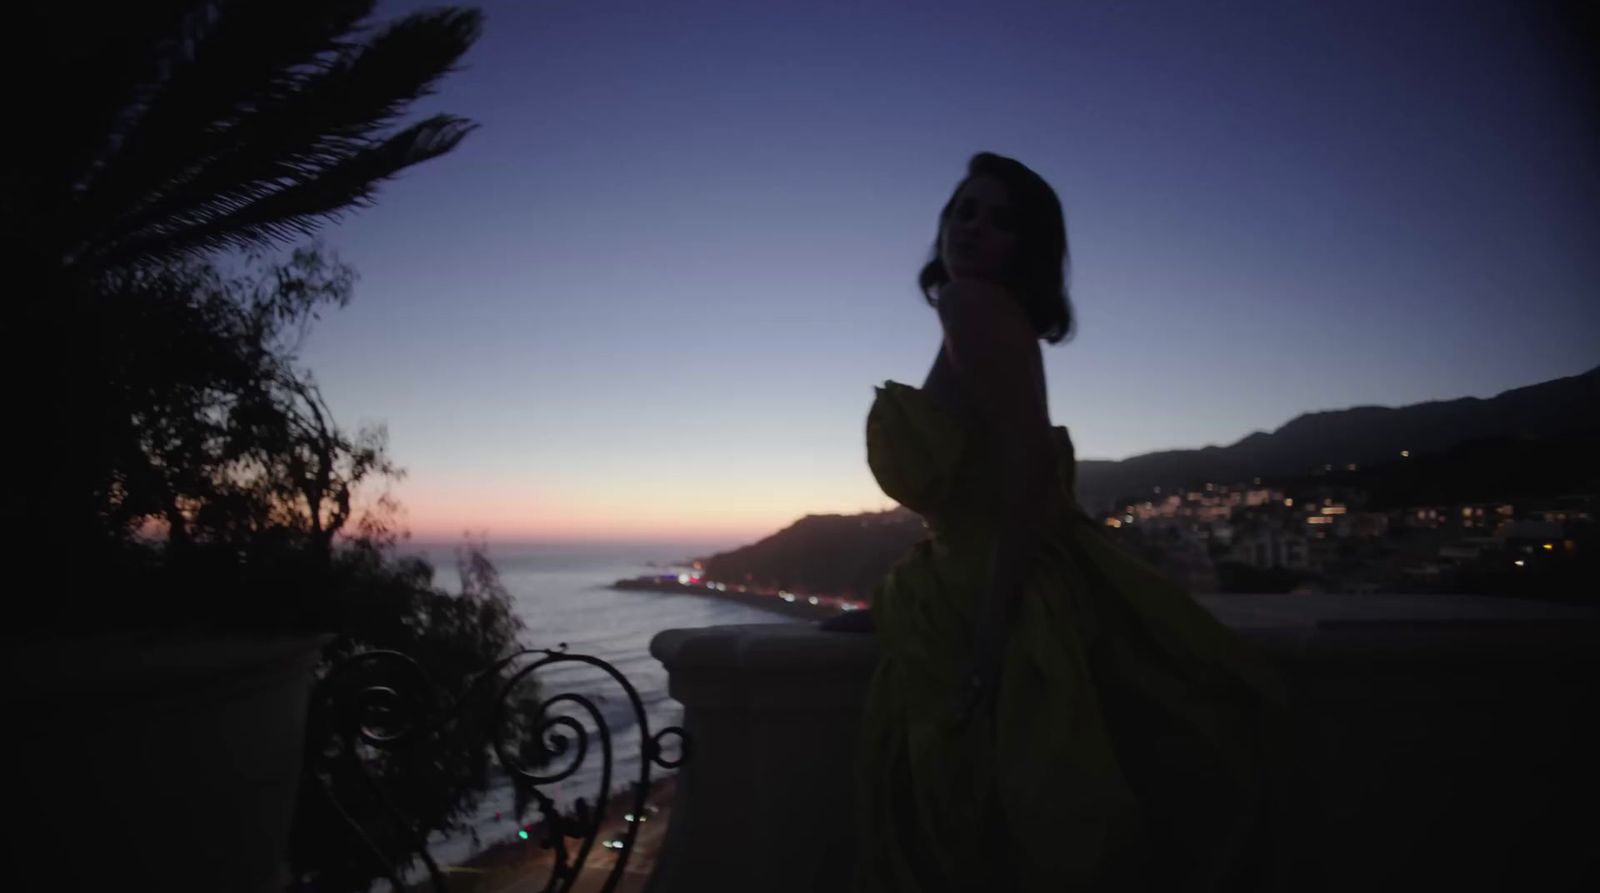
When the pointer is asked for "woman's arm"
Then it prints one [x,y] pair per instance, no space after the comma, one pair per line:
[994,352]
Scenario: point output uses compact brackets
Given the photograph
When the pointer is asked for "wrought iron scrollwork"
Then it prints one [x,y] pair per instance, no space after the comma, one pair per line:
[406,708]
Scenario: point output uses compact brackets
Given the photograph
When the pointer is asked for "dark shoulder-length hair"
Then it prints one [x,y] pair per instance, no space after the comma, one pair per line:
[1040,278]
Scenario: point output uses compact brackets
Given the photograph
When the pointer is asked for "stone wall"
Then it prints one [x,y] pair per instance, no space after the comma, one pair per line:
[1440,742]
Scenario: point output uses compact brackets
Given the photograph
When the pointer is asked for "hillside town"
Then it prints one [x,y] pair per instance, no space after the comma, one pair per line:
[1330,537]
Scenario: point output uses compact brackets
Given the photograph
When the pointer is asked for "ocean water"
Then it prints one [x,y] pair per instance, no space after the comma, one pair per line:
[562,593]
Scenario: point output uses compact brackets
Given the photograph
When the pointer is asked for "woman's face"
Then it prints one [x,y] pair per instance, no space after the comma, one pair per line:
[979,239]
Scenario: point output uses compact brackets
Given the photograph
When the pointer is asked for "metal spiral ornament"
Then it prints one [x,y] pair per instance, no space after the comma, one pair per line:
[405,708]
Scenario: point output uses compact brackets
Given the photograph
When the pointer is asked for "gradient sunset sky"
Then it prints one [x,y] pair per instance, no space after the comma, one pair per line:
[649,298]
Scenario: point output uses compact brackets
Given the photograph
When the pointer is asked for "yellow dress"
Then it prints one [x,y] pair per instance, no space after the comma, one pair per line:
[1127,746]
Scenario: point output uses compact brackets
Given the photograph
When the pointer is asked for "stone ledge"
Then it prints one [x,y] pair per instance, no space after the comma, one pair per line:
[765,647]
[1438,742]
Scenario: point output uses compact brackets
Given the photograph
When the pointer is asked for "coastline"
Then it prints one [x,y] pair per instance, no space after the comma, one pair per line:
[774,600]
[526,864]
[509,865]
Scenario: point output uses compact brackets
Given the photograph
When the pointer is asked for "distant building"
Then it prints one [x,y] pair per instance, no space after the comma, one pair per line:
[1222,534]
[1426,516]
[1265,546]
[1367,524]
[1529,530]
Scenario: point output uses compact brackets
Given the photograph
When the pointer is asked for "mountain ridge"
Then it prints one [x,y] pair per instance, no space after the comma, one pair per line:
[1355,435]
[847,554]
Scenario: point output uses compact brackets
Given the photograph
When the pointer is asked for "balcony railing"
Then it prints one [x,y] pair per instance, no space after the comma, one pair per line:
[383,704]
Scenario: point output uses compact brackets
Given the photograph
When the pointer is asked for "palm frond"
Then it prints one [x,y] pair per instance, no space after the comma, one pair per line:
[228,59]
[325,120]
[296,210]
[76,79]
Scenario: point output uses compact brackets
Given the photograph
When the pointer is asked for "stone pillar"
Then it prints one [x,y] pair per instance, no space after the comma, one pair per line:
[772,711]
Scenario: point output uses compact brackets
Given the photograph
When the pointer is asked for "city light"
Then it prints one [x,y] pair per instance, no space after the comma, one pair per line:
[1237,521]
[1405,454]
[1315,535]
[683,579]
[523,834]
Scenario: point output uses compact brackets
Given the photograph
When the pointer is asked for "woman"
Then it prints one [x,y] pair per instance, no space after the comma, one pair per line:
[1048,713]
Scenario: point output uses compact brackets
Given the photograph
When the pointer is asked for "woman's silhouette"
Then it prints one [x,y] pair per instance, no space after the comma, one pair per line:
[1048,713]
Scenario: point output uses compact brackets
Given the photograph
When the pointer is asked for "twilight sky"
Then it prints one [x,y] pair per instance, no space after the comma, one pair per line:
[649,298]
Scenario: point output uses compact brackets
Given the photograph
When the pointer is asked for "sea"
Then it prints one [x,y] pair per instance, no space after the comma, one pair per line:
[562,592]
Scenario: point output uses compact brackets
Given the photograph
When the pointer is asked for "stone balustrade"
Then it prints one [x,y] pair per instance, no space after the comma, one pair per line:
[1440,742]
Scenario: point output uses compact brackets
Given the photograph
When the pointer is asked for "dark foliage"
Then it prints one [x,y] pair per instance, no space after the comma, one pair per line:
[172,465]
[433,779]
[210,481]
[154,393]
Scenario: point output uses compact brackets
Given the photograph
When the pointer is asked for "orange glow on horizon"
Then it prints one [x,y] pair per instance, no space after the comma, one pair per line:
[599,523]
[628,504]
[596,532]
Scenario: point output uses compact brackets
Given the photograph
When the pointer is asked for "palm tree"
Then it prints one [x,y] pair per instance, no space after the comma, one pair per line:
[144,135]
[164,129]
